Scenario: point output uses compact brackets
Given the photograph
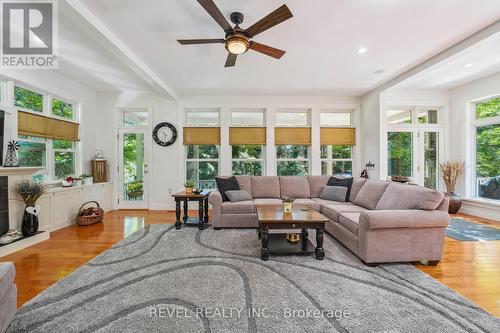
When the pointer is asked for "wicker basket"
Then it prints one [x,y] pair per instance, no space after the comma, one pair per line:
[89,219]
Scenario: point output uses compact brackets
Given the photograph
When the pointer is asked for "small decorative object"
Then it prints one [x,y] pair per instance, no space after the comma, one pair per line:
[89,215]
[189,186]
[197,190]
[30,192]
[68,182]
[370,166]
[165,134]
[451,172]
[364,174]
[287,204]
[11,159]
[77,182]
[99,167]
[293,238]
[87,179]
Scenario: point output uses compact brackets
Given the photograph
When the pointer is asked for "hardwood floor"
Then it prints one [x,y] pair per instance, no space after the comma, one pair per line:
[470,268]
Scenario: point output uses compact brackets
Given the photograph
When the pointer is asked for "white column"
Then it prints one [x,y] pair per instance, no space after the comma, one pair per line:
[270,147]
[315,158]
[225,155]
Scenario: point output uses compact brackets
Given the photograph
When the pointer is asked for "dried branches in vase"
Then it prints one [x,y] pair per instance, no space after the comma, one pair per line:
[452,171]
[30,192]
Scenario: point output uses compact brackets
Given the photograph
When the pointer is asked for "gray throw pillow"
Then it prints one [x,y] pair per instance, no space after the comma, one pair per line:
[333,193]
[238,195]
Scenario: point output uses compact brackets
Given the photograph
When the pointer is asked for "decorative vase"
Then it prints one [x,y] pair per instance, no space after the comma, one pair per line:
[30,221]
[287,207]
[189,190]
[455,202]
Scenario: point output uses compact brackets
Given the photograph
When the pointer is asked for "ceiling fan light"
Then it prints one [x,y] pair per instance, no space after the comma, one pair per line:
[237,45]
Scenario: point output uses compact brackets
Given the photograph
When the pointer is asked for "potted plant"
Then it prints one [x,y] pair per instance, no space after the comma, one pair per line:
[68,182]
[87,179]
[287,204]
[189,186]
[135,189]
[30,192]
[451,172]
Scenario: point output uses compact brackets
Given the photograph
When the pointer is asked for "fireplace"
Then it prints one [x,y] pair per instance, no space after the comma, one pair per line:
[4,205]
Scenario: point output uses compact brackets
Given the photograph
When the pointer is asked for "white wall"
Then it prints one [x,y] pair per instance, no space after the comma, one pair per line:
[370,131]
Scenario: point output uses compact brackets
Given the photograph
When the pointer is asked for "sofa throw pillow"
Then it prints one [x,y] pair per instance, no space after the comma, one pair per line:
[333,193]
[238,195]
[344,182]
[226,184]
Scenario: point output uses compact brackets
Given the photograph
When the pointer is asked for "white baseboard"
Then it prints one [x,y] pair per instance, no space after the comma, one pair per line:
[162,206]
[481,209]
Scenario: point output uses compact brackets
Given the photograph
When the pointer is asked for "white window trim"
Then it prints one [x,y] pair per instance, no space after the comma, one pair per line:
[202,110]
[472,189]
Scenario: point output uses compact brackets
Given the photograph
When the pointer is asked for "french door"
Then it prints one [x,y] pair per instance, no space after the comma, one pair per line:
[133,168]
[416,153]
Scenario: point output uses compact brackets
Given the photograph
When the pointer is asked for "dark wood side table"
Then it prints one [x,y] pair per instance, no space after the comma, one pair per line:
[184,197]
[302,218]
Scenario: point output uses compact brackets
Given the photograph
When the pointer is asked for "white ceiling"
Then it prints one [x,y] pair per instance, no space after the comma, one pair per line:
[481,59]
[84,60]
[321,41]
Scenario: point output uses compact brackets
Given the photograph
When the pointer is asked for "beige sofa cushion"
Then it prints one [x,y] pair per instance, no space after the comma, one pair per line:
[307,203]
[265,187]
[333,211]
[401,197]
[242,207]
[295,187]
[370,193]
[266,201]
[316,184]
[357,184]
[245,183]
[350,221]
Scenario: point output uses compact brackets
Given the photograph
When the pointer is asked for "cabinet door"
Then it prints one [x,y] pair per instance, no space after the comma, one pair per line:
[60,208]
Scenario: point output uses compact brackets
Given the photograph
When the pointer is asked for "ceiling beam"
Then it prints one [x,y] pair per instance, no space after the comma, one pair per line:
[81,15]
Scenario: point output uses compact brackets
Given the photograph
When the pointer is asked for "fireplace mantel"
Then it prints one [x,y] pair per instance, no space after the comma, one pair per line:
[18,171]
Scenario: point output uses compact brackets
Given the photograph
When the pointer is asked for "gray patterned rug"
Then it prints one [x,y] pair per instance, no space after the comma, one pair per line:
[165,280]
[463,230]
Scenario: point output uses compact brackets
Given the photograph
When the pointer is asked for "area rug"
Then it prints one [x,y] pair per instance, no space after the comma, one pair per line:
[463,230]
[165,280]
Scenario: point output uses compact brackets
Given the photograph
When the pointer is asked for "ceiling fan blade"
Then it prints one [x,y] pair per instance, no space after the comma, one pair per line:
[279,15]
[267,50]
[200,41]
[216,14]
[231,60]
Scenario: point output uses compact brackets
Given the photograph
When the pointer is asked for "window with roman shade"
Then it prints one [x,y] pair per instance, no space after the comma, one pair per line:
[336,150]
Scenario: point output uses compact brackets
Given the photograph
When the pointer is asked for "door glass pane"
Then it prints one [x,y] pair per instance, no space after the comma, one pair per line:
[139,118]
[133,166]
[399,153]
[425,116]
[488,161]
[292,118]
[399,117]
[240,118]
[431,146]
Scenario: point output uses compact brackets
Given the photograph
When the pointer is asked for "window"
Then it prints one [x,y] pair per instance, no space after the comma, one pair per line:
[28,99]
[62,109]
[399,116]
[412,115]
[247,160]
[400,153]
[202,165]
[64,158]
[247,118]
[487,137]
[202,118]
[292,118]
[33,153]
[135,118]
[335,118]
[336,160]
[292,160]
[425,116]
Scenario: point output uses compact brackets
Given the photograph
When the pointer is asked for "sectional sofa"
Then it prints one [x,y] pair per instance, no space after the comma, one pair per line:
[381,222]
[8,294]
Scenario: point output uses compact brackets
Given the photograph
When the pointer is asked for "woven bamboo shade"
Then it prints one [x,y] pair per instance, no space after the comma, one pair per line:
[30,124]
[201,135]
[247,135]
[338,136]
[292,135]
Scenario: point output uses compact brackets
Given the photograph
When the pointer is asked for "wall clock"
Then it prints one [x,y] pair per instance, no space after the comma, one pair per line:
[165,134]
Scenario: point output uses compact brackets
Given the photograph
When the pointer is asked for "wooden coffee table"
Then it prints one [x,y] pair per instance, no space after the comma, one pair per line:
[304,218]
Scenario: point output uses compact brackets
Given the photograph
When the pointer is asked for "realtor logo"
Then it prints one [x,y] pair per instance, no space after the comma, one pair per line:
[29,34]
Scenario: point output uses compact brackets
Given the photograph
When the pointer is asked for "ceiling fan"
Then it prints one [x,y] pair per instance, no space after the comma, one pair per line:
[238,40]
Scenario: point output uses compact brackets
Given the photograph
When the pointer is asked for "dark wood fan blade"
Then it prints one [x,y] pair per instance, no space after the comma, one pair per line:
[200,41]
[279,15]
[267,50]
[216,14]
[231,60]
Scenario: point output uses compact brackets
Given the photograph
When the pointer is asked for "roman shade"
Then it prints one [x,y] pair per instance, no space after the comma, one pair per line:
[30,124]
[292,136]
[201,135]
[247,135]
[338,136]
